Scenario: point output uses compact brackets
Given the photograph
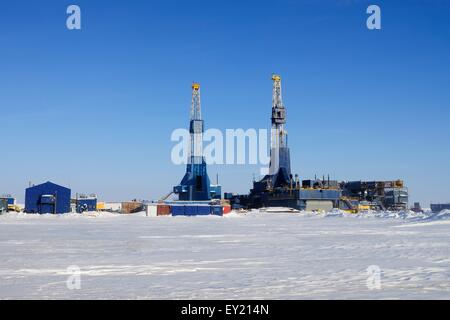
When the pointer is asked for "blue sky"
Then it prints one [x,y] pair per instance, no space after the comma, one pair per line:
[94,109]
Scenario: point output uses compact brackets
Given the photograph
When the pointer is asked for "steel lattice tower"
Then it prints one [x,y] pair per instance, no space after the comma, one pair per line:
[195,185]
[279,152]
[196,127]
[279,136]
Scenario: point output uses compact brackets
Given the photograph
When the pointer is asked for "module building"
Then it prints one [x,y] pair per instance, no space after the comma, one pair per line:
[10,203]
[85,203]
[47,198]
[3,206]
[438,207]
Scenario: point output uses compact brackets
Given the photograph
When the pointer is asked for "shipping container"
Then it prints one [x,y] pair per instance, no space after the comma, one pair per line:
[178,210]
[217,210]
[190,210]
[132,207]
[163,210]
[203,210]
[152,210]
[226,209]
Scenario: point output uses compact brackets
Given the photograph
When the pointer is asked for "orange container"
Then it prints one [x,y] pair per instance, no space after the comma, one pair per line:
[163,210]
[226,209]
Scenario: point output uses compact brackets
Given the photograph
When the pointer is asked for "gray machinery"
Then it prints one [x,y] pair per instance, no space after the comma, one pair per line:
[380,195]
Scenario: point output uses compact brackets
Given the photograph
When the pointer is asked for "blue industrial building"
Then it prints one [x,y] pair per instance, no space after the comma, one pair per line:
[10,201]
[436,208]
[3,206]
[84,203]
[47,198]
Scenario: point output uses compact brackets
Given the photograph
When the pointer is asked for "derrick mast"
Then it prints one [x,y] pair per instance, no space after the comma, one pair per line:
[279,153]
[280,164]
[196,128]
[195,185]
[279,136]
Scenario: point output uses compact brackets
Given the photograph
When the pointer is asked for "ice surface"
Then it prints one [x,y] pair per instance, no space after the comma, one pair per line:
[270,255]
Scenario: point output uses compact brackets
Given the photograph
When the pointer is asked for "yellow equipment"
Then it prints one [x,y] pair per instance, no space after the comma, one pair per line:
[13,207]
[399,183]
[100,206]
[364,207]
[276,77]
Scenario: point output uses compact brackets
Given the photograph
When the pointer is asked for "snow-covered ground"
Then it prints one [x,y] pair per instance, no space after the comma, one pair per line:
[250,256]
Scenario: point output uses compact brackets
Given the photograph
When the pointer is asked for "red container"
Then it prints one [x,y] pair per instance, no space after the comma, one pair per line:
[226,209]
[163,210]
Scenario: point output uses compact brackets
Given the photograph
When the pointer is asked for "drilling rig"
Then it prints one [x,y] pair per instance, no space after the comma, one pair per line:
[279,188]
[195,185]
[280,163]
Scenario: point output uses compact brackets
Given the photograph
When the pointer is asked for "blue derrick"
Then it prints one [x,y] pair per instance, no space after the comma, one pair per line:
[196,185]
